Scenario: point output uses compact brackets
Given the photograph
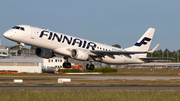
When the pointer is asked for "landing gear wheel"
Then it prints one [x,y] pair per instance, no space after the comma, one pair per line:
[19,51]
[67,65]
[20,47]
[87,66]
[90,67]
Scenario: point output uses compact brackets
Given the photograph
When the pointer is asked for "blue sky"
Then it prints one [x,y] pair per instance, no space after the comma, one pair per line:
[110,22]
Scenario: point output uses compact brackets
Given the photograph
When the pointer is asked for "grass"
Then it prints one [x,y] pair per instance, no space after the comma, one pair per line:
[89,95]
[103,70]
[130,71]
[148,71]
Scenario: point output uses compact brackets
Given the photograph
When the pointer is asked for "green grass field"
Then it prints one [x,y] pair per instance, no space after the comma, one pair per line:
[148,71]
[89,95]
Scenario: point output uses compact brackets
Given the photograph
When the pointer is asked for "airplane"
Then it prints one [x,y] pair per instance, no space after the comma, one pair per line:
[50,43]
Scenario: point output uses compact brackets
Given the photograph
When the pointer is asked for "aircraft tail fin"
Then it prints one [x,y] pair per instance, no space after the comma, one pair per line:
[144,42]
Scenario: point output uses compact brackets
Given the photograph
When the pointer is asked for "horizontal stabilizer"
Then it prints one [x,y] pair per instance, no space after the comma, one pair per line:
[151,51]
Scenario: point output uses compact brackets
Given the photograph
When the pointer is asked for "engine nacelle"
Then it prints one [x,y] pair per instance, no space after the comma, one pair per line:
[79,54]
[44,53]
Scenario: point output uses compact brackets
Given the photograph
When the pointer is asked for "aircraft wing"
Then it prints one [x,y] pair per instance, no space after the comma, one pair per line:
[150,59]
[156,58]
[99,52]
[112,53]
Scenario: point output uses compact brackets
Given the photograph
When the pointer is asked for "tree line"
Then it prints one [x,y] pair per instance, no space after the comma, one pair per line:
[159,53]
[166,53]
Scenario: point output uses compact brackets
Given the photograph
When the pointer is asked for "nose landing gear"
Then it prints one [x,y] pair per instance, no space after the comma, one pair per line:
[20,48]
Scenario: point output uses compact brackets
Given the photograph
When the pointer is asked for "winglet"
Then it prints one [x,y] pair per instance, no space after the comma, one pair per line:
[152,50]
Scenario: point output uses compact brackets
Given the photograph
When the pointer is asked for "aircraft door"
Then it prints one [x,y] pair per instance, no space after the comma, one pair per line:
[33,32]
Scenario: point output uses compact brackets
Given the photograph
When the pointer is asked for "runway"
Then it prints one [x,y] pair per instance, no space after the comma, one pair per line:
[89,87]
[105,77]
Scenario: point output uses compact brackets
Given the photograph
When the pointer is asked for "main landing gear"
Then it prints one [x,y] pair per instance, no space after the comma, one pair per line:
[66,64]
[90,67]
[20,48]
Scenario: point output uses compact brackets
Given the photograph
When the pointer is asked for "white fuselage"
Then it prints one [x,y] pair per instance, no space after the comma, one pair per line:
[61,43]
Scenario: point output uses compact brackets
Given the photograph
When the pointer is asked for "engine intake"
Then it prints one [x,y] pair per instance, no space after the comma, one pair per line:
[79,54]
[44,53]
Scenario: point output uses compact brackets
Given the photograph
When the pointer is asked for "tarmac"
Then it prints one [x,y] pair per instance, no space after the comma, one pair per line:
[92,87]
[107,77]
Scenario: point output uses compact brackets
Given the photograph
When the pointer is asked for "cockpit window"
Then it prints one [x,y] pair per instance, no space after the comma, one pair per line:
[17,27]
[22,28]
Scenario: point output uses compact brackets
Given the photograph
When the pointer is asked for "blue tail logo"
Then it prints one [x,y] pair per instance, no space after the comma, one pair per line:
[143,41]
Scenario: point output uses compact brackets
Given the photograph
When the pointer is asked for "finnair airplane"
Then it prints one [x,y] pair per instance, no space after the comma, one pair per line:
[50,43]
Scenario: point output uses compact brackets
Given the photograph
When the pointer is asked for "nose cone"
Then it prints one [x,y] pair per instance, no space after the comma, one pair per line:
[7,34]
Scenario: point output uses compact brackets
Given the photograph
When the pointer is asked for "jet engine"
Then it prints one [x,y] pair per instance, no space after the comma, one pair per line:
[44,53]
[79,54]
